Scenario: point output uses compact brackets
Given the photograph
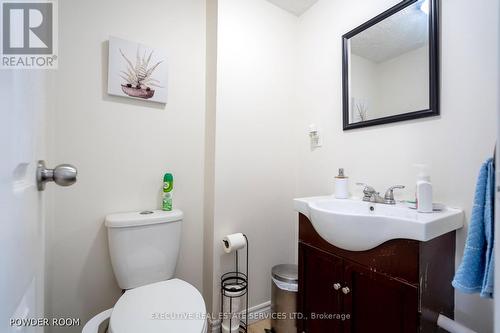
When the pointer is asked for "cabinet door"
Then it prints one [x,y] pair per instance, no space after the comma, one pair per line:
[319,301]
[378,303]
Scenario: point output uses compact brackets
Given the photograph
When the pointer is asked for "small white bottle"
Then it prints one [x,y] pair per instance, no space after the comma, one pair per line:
[424,190]
[341,185]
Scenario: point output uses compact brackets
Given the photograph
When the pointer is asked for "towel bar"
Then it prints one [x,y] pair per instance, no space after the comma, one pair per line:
[452,326]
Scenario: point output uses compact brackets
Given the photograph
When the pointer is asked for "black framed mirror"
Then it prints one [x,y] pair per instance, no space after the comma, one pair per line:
[390,67]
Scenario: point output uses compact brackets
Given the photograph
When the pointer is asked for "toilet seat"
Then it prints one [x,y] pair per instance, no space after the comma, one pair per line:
[164,307]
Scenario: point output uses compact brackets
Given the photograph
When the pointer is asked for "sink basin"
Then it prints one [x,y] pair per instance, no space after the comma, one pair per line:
[356,225]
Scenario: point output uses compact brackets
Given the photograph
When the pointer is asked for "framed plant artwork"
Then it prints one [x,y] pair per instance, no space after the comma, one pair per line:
[137,71]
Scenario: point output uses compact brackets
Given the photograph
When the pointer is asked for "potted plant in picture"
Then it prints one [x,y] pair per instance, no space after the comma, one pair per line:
[138,78]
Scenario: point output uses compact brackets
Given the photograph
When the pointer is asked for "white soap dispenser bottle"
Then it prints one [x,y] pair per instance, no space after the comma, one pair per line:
[424,190]
[341,185]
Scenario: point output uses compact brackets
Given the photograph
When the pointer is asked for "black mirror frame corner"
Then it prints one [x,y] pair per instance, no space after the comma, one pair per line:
[434,79]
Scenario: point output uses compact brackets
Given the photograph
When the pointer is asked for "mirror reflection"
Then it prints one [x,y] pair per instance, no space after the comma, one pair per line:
[388,66]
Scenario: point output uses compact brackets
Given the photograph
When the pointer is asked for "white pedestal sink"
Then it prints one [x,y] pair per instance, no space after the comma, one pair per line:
[356,225]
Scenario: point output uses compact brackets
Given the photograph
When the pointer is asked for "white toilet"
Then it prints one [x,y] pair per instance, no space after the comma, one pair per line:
[144,247]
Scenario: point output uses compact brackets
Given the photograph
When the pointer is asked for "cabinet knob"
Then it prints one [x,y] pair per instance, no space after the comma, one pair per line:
[346,290]
[336,286]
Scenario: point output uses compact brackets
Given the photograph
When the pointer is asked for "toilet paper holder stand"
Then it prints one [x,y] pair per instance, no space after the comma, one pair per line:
[234,290]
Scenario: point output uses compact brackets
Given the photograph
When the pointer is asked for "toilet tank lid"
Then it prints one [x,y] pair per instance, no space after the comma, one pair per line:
[148,217]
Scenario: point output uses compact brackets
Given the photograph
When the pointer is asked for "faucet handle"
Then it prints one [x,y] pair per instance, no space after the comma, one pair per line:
[389,194]
[366,187]
[368,191]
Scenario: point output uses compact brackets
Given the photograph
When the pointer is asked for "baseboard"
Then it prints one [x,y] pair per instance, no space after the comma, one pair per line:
[255,314]
[259,312]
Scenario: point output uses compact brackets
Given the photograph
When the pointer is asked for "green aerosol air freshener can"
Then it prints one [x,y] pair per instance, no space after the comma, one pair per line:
[168,185]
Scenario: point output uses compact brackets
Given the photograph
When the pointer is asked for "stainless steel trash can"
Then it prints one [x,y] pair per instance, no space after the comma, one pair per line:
[284,298]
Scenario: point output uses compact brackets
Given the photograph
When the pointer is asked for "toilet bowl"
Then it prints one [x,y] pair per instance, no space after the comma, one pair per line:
[144,247]
[168,306]
[162,307]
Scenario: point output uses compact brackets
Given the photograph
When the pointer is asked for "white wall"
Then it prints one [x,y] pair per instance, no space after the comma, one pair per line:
[210,129]
[397,85]
[456,143]
[405,79]
[363,87]
[255,160]
[122,147]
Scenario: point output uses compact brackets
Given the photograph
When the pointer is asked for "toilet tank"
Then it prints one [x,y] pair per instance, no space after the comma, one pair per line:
[144,246]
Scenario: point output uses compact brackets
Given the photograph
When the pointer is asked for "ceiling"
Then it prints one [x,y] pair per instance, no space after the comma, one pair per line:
[400,33]
[296,7]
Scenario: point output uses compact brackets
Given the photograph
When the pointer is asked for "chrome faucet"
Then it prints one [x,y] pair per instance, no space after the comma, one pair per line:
[371,195]
[389,194]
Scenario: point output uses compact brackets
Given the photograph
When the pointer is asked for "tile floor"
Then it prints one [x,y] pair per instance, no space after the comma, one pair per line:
[259,326]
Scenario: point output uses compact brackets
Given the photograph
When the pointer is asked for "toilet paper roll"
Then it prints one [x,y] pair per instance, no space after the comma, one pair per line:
[234,242]
[231,322]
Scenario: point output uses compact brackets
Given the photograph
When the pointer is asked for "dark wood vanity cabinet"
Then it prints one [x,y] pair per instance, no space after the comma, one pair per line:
[375,300]
[315,300]
[398,287]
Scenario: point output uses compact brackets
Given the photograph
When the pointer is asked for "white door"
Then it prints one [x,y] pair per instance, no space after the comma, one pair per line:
[23,111]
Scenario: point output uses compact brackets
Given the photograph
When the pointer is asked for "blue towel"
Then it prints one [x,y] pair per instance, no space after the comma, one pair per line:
[475,273]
